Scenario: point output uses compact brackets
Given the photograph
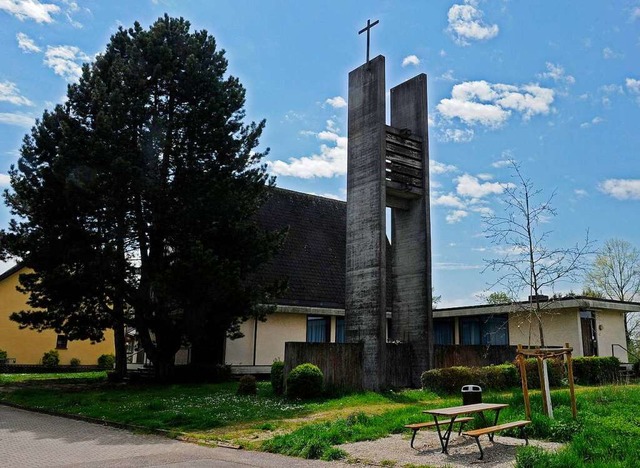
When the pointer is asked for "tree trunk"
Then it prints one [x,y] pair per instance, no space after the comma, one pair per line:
[120,347]
[211,351]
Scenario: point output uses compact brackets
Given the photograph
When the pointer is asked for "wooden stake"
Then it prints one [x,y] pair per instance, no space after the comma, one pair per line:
[574,408]
[542,388]
[525,388]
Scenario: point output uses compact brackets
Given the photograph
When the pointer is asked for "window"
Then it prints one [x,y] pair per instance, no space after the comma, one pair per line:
[340,330]
[484,330]
[443,331]
[318,329]
[61,342]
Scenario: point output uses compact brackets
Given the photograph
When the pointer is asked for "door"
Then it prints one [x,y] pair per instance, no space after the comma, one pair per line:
[588,328]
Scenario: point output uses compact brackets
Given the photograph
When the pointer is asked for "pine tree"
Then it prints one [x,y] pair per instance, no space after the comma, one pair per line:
[136,200]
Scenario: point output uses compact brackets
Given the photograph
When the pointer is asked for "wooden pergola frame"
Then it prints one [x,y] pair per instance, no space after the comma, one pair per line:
[542,354]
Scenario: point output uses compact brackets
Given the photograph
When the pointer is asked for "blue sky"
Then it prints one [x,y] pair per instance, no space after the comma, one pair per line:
[552,85]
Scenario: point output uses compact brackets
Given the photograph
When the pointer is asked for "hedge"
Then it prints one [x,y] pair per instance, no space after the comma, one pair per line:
[452,379]
[595,370]
[586,371]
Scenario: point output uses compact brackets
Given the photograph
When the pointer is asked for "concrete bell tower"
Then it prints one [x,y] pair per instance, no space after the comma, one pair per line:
[388,166]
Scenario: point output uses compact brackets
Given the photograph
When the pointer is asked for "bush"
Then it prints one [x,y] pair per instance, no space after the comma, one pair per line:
[106,361]
[452,379]
[74,362]
[555,369]
[51,358]
[595,370]
[277,377]
[305,381]
[247,385]
[3,355]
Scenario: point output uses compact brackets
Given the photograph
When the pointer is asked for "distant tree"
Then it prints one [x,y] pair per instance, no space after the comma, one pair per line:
[136,200]
[615,274]
[498,297]
[435,300]
[529,263]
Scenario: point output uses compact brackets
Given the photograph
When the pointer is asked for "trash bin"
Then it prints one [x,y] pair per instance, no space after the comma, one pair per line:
[471,394]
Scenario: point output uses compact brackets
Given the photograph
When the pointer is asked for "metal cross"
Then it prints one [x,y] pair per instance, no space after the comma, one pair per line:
[368,28]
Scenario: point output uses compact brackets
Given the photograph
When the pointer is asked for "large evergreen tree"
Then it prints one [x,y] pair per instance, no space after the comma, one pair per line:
[135,200]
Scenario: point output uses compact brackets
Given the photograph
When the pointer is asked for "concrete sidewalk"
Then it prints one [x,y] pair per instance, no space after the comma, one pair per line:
[29,439]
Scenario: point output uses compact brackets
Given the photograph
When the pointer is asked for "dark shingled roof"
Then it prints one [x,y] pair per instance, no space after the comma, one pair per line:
[313,255]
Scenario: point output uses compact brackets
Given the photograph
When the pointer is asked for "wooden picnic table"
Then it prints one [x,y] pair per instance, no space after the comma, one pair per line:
[454,411]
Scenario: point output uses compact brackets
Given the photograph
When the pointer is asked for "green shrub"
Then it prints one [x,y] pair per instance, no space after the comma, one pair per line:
[594,370]
[555,369]
[106,361]
[277,377]
[3,355]
[74,362]
[51,358]
[247,385]
[452,379]
[305,381]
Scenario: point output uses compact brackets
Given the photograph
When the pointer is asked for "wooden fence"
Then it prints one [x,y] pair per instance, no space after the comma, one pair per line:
[341,363]
[472,355]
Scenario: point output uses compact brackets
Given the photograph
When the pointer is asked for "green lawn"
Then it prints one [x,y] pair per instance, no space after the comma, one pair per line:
[61,377]
[607,432]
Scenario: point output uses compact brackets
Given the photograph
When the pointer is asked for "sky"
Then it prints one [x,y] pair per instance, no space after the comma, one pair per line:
[554,86]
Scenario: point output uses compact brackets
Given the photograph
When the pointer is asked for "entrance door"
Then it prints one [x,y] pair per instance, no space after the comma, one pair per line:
[588,327]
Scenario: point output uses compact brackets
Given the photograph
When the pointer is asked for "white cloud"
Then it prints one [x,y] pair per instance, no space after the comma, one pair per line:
[608,53]
[470,186]
[456,216]
[502,163]
[455,266]
[336,102]
[436,167]
[66,61]
[465,23]
[330,162]
[446,76]
[595,121]
[633,85]
[27,44]
[4,180]
[622,189]
[9,92]
[480,102]
[635,13]
[556,73]
[449,200]
[456,135]
[19,120]
[580,193]
[442,53]
[30,9]
[485,176]
[410,60]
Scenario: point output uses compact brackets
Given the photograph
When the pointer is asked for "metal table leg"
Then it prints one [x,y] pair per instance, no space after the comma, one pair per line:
[444,439]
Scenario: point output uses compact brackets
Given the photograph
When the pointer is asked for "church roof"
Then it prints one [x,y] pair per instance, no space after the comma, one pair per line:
[313,255]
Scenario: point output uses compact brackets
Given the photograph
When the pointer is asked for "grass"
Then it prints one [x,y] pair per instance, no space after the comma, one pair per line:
[606,433]
[60,377]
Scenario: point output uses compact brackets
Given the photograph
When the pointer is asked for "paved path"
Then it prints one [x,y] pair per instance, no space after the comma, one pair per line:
[30,439]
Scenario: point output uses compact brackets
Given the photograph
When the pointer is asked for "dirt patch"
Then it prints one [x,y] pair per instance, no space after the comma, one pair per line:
[463,451]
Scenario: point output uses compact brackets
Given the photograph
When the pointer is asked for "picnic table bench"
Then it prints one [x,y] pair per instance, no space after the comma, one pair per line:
[417,426]
[491,430]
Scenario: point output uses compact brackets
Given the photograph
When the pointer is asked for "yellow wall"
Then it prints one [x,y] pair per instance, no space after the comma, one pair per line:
[271,336]
[28,346]
[610,330]
[559,326]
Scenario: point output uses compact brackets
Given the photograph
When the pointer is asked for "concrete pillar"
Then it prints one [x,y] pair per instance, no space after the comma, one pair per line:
[411,237]
[365,301]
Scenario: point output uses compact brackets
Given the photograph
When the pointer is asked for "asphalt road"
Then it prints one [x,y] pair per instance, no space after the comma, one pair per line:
[29,439]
